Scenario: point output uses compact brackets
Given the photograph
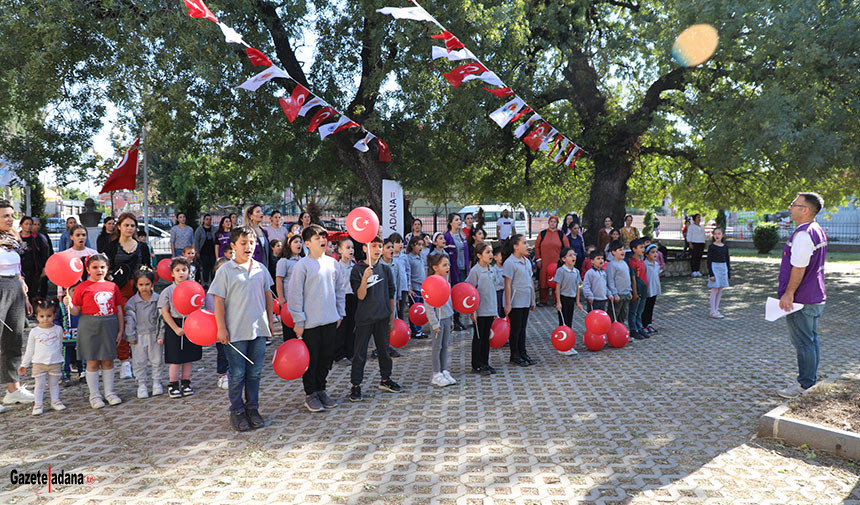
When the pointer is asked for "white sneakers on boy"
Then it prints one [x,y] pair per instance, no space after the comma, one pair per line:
[224,382]
[792,391]
[20,395]
[157,389]
[125,370]
[142,391]
[571,352]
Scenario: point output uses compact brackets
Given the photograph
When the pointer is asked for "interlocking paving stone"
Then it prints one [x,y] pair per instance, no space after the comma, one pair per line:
[666,420]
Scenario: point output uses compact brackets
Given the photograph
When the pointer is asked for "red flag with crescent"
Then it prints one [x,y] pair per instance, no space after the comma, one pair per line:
[198,9]
[455,77]
[258,59]
[124,176]
[293,104]
[535,138]
[384,152]
[320,116]
[500,92]
[451,42]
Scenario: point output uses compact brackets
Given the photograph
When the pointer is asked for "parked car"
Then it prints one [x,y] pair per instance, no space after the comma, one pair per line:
[55,225]
[159,240]
[493,213]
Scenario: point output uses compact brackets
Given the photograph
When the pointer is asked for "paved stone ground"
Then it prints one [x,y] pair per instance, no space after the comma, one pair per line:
[667,420]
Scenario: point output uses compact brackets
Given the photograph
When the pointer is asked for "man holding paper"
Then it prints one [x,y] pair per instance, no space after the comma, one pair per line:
[801,281]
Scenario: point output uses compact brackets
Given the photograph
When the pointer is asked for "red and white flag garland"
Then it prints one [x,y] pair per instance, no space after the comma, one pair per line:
[301,101]
[543,136]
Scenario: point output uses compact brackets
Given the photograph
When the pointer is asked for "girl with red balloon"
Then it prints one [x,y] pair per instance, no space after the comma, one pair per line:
[519,297]
[483,278]
[457,247]
[179,352]
[417,274]
[141,332]
[567,282]
[440,316]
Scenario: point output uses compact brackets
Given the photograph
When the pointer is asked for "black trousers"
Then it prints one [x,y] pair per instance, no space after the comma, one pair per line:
[207,266]
[288,332]
[696,251]
[346,332]
[568,306]
[648,313]
[320,342]
[599,305]
[379,330]
[519,320]
[481,342]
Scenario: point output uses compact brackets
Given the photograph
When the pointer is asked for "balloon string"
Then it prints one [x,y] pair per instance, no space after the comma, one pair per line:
[561,313]
[7,326]
[612,302]
[240,353]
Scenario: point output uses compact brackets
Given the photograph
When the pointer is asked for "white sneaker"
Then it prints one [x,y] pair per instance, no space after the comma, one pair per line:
[58,405]
[224,382]
[125,370]
[571,352]
[2,408]
[96,402]
[449,377]
[719,316]
[157,389]
[714,315]
[37,409]
[142,391]
[20,395]
[792,391]
[113,399]
[439,380]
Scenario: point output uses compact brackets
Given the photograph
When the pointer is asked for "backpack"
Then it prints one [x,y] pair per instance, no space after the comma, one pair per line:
[560,236]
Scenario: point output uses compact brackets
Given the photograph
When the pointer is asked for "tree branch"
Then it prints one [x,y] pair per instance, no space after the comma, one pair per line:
[281,38]
[581,76]
[639,120]
[627,5]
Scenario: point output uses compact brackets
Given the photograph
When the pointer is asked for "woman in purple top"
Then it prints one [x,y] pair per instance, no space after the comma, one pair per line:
[253,218]
[457,247]
[222,236]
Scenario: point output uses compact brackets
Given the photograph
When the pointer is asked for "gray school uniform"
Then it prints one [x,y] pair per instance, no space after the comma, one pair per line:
[520,273]
[244,294]
[498,277]
[345,271]
[440,318]
[406,272]
[283,269]
[397,274]
[438,315]
[594,285]
[618,279]
[652,270]
[484,279]
[568,281]
[316,295]
[417,271]
[141,318]
[166,300]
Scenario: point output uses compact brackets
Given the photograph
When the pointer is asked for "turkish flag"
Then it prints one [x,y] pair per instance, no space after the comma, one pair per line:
[500,92]
[198,9]
[451,42]
[125,174]
[361,145]
[384,152]
[575,153]
[293,104]
[320,116]
[456,76]
[258,59]
[535,138]
[555,144]
[562,150]
[519,114]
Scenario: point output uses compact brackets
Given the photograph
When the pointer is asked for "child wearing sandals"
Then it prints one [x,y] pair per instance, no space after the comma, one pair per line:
[45,353]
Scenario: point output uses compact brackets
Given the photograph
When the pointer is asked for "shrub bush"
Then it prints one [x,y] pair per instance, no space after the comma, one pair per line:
[765,237]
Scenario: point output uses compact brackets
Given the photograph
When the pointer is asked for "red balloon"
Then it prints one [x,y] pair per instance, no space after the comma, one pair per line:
[188,296]
[163,270]
[500,330]
[64,269]
[291,359]
[563,338]
[286,317]
[435,290]
[551,269]
[418,314]
[362,224]
[200,327]
[618,336]
[399,336]
[276,307]
[593,341]
[465,298]
[597,322]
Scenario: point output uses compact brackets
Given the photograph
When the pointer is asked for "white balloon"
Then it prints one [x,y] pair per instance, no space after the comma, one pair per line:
[76,265]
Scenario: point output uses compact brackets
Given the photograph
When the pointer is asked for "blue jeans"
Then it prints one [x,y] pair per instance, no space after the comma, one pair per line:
[634,315]
[803,330]
[245,376]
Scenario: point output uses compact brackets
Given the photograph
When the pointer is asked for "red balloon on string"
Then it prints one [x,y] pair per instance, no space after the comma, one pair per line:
[286,317]
[597,322]
[435,290]
[500,330]
[362,224]
[593,341]
[64,269]
[291,359]
[551,269]
[465,298]
[399,335]
[200,327]
[418,314]
[188,296]
[618,336]
[163,270]
[563,338]
[276,307]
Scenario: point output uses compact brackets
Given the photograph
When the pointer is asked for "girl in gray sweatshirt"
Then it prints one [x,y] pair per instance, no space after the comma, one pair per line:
[441,322]
[484,279]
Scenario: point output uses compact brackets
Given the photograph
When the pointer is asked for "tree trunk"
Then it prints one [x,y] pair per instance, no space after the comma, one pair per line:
[366,166]
[608,195]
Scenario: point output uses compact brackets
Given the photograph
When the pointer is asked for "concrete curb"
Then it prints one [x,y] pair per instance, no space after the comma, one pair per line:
[775,424]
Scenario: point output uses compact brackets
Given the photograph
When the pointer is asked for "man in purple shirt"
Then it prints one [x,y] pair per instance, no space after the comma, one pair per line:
[801,280]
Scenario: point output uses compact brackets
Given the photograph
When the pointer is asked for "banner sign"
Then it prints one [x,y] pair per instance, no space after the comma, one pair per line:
[392,208]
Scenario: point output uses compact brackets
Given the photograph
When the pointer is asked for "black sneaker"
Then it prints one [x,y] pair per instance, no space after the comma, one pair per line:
[645,334]
[186,387]
[355,394]
[528,359]
[637,336]
[238,421]
[519,361]
[485,371]
[255,420]
[390,386]
[174,390]
[67,382]
[490,369]
[393,352]
[420,335]
[313,403]
[326,400]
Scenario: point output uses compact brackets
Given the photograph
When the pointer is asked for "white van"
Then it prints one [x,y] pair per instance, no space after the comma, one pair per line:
[492,213]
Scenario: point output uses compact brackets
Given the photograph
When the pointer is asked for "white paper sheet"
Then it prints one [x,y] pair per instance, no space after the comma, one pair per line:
[772,312]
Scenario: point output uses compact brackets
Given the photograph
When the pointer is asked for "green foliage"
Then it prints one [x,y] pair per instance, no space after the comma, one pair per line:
[69,193]
[648,226]
[721,218]
[37,198]
[765,237]
[190,205]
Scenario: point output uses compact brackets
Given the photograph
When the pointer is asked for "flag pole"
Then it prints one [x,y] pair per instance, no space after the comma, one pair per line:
[145,186]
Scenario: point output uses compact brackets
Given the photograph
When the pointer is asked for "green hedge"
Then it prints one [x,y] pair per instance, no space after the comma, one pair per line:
[765,237]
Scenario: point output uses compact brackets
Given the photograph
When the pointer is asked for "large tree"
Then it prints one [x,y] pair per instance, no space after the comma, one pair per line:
[774,110]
